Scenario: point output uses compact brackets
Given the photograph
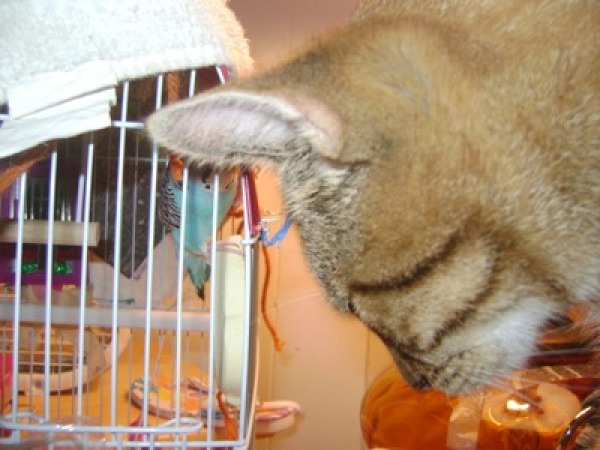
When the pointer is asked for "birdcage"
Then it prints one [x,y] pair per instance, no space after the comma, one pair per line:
[106,341]
[103,341]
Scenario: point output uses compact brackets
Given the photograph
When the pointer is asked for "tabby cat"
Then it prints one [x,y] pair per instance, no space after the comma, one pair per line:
[441,160]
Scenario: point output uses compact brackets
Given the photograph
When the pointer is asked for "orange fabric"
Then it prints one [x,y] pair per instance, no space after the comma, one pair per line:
[395,416]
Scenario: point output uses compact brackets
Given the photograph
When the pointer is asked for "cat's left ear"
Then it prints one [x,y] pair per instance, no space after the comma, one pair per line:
[245,127]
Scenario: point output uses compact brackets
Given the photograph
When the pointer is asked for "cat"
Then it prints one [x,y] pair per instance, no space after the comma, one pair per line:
[441,160]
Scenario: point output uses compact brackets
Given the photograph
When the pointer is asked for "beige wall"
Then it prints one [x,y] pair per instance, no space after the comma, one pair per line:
[276,27]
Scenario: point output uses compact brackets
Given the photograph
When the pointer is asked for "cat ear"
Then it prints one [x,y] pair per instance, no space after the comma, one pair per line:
[243,127]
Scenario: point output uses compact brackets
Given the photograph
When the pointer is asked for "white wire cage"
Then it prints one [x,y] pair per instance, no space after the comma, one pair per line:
[103,341]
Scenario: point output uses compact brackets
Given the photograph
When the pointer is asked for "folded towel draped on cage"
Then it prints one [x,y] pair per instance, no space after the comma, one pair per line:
[56,105]
[46,49]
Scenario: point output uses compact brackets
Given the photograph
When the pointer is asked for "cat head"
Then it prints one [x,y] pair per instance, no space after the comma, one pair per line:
[413,212]
[351,245]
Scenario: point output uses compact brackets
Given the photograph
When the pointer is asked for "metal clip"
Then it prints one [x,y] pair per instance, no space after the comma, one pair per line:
[589,415]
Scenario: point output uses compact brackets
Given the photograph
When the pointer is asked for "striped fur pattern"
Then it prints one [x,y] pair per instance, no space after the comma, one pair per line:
[441,159]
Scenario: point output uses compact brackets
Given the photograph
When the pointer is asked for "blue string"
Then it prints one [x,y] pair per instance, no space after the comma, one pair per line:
[278,237]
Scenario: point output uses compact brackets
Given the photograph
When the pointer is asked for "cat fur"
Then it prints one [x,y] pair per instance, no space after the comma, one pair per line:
[441,160]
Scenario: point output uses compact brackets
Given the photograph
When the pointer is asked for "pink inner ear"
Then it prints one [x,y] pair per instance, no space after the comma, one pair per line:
[238,127]
[323,119]
[246,124]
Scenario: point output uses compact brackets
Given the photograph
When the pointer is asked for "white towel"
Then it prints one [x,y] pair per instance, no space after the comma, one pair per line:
[70,118]
[58,105]
[36,93]
[49,43]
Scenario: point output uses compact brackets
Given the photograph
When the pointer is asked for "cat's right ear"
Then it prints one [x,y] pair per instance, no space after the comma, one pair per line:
[246,127]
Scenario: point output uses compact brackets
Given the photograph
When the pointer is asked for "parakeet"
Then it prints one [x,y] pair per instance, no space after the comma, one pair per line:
[198,226]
